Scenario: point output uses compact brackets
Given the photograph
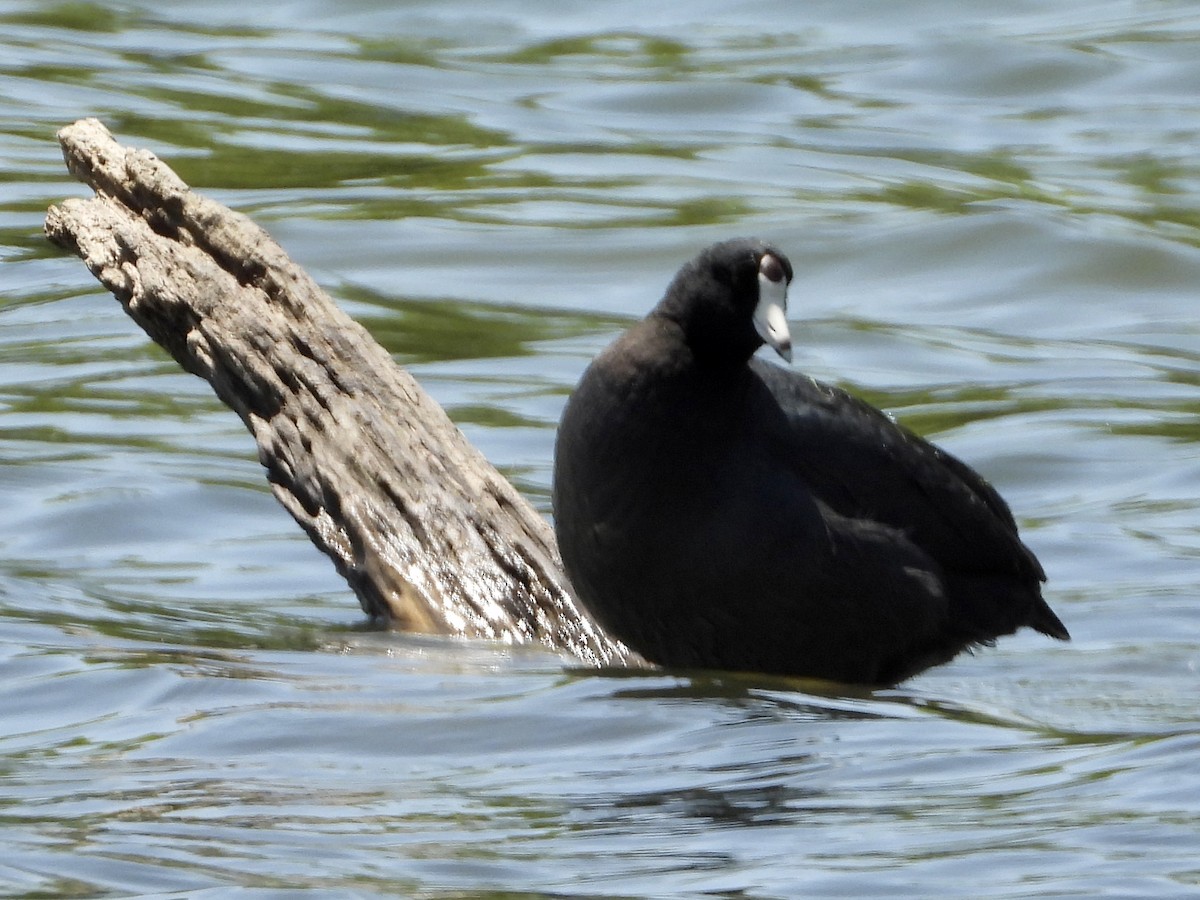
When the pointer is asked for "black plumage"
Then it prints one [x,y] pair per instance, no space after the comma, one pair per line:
[717,511]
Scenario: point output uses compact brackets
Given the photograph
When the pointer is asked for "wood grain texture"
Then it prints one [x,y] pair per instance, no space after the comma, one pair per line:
[428,534]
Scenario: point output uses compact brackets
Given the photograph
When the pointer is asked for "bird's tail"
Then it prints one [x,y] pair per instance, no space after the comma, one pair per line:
[1044,620]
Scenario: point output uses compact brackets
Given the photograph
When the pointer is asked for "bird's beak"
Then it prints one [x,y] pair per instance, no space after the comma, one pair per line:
[770,316]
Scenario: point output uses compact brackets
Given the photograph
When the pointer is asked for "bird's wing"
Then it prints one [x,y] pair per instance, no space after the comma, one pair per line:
[861,464]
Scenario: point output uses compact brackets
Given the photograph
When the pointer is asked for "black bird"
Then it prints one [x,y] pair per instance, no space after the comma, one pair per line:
[717,511]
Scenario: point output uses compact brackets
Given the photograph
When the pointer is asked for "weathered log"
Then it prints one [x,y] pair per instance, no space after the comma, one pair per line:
[428,534]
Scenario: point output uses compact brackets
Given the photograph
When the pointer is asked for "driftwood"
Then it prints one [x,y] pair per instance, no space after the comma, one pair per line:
[429,535]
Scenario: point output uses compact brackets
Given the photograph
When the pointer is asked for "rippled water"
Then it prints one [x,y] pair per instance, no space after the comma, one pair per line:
[995,221]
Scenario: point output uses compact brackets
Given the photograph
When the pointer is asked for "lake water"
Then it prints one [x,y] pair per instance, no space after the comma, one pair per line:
[994,213]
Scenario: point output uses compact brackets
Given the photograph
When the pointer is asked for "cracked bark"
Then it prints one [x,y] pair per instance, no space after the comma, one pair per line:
[428,534]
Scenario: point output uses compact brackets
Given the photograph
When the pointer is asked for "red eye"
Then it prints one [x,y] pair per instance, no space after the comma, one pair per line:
[771,268]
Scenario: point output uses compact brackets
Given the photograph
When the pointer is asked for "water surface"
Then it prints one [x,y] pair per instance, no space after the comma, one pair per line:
[994,220]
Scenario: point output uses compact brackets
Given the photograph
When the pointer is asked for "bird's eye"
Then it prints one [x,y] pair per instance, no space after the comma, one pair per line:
[770,268]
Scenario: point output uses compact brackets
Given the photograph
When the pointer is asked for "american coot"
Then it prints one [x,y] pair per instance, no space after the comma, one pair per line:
[717,511]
